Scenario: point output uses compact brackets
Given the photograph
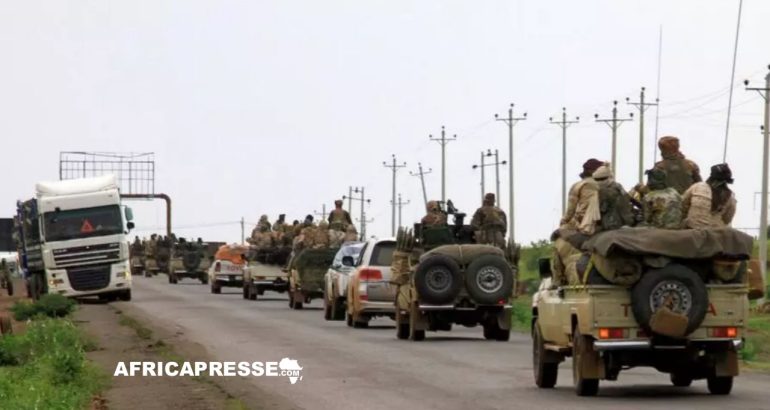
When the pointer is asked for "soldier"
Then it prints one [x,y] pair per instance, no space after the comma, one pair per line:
[710,204]
[434,216]
[614,203]
[280,224]
[681,173]
[661,205]
[339,219]
[572,229]
[579,196]
[263,225]
[151,246]
[307,235]
[490,223]
[136,247]
[322,239]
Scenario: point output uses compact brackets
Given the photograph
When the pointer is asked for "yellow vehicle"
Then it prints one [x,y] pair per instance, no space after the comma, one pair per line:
[685,315]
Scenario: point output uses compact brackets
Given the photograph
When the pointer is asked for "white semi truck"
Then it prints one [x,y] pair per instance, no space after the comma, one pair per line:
[72,239]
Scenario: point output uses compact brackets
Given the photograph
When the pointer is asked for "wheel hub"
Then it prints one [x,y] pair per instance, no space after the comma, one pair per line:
[489,279]
[438,279]
[671,294]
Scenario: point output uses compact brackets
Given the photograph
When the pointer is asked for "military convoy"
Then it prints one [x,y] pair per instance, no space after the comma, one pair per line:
[265,271]
[674,300]
[443,278]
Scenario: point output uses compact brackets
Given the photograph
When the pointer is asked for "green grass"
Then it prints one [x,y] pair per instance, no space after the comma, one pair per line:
[46,368]
[51,305]
[141,331]
[521,314]
[756,352]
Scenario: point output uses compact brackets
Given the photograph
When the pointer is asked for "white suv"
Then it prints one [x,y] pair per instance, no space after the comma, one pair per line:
[336,280]
[370,292]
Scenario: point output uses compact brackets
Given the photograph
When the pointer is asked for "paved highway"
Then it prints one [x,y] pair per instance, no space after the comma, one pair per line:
[347,368]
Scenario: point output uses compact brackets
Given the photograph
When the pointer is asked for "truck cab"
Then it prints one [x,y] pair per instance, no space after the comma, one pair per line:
[73,239]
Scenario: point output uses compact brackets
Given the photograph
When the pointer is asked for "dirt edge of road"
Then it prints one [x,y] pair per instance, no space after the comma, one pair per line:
[126,334]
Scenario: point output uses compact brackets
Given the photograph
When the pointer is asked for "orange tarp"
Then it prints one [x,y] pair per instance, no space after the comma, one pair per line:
[232,253]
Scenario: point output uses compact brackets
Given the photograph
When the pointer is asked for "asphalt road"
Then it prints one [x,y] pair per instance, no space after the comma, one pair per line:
[345,368]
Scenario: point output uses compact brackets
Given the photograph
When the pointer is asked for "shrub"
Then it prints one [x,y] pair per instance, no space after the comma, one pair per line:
[52,305]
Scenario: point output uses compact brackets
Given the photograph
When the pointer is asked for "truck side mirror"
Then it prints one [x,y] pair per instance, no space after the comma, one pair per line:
[129,214]
[544,266]
[348,261]
[130,225]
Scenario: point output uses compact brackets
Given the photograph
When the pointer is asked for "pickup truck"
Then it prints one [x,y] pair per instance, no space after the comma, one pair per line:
[684,315]
[259,277]
[336,280]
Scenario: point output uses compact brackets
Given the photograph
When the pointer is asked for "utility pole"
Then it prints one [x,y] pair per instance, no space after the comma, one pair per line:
[422,174]
[510,122]
[495,164]
[394,167]
[364,201]
[614,124]
[363,223]
[350,199]
[243,230]
[323,212]
[443,141]
[564,124]
[762,237]
[642,106]
[400,204]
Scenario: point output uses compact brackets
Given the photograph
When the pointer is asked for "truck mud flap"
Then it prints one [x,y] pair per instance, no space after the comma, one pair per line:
[726,363]
[504,319]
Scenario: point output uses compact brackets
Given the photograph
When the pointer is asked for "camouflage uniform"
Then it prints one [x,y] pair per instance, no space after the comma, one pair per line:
[681,173]
[614,202]
[150,247]
[696,205]
[351,235]
[490,223]
[434,217]
[322,239]
[339,219]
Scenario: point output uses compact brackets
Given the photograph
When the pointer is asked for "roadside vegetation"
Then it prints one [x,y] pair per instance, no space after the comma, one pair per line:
[529,279]
[756,352]
[46,366]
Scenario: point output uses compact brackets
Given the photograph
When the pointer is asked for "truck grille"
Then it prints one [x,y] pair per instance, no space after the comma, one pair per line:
[89,278]
[87,255]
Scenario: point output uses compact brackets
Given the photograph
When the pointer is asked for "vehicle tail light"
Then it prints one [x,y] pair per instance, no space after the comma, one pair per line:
[726,332]
[370,275]
[612,333]
[218,267]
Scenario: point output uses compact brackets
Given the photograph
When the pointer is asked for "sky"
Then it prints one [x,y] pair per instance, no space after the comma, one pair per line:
[268,107]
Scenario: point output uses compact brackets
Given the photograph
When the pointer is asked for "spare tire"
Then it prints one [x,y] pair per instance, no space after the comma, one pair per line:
[191,261]
[676,286]
[489,280]
[438,279]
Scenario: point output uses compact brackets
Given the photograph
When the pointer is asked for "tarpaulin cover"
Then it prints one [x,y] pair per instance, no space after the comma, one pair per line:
[685,243]
[232,253]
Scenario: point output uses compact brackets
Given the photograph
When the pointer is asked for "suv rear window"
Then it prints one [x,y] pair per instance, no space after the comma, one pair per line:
[382,254]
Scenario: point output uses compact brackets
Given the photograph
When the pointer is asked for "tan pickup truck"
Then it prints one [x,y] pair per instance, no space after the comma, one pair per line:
[685,316]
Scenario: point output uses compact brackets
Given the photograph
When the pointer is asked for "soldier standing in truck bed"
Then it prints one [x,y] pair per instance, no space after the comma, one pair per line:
[489,223]
[434,216]
[681,173]
[339,219]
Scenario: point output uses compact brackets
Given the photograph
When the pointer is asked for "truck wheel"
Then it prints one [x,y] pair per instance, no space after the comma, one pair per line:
[125,295]
[681,380]
[360,322]
[216,288]
[415,334]
[582,347]
[327,309]
[246,291]
[546,373]
[489,279]
[6,328]
[675,285]
[253,292]
[9,287]
[338,309]
[295,303]
[720,385]
[349,319]
[204,278]
[147,274]
[438,279]
[402,326]
[35,287]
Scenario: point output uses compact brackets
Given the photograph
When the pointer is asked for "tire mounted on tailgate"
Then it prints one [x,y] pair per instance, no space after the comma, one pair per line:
[438,279]
[489,279]
[674,286]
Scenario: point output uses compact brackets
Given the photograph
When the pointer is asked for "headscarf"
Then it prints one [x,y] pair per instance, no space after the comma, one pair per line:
[721,175]
[590,166]
[656,179]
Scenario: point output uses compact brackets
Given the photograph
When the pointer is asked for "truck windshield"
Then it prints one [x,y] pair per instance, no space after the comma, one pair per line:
[83,223]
